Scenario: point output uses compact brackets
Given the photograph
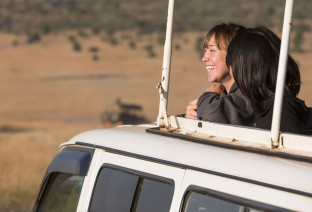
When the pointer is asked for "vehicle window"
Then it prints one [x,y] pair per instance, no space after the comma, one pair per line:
[196,202]
[114,191]
[62,193]
[154,196]
[122,191]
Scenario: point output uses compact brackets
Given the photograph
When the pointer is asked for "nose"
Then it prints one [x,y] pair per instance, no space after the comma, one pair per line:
[205,57]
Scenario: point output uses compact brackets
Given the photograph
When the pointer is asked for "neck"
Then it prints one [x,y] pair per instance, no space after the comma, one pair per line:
[228,84]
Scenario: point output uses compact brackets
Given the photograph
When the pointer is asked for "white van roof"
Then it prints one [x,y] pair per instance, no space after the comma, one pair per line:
[272,171]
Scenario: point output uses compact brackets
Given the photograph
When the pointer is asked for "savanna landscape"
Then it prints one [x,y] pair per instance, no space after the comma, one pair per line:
[60,71]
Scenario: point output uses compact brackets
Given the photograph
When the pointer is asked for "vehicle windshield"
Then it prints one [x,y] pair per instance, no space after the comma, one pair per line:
[62,193]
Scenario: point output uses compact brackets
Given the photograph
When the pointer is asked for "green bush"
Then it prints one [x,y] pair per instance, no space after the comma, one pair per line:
[199,45]
[94,49]
[76,46]
[177,46]
[299,37]
[113,41]
[95,57]
[150,50]
[33,38]
[132,45]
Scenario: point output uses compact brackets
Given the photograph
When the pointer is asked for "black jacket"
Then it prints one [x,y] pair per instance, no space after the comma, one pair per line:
[294,114]
[232,108]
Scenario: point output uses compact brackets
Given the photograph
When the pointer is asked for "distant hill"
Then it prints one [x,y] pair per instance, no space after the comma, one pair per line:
[146,16]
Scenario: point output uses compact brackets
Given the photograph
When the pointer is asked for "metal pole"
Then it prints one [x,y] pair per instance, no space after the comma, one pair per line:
[164,83]
[282,70]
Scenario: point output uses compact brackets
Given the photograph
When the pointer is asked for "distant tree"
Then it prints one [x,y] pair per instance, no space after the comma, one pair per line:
[150,50]
[33,37]
[83,34]
[299,37]
[113,41]
[94,49]
[72,38]
[15,43]
[96,30]
[132,44]
[161,40]
[199,44]
[45,29]
[95,57]
[76,46]
[177,46]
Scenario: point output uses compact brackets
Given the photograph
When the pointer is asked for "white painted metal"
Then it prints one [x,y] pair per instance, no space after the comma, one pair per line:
[87,188]
[280,172]
[164,83]
[247,190]
[224,133]
[282,68]
[240,135]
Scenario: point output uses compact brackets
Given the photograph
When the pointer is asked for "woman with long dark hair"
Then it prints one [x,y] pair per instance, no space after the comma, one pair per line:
[253,57]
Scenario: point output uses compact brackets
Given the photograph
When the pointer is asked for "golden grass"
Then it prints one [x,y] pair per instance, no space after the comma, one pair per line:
[35,95]
[24,158]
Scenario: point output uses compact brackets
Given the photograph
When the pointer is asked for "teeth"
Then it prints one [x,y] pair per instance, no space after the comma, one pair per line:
[209,68]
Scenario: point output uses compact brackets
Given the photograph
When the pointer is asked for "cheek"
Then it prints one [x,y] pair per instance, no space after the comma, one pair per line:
[214,59]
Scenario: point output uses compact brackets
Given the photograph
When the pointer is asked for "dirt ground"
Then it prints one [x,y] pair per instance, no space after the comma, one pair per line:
[49,93]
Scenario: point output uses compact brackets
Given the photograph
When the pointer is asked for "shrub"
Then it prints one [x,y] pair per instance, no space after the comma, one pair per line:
[132,45]
[199,44]
[150,50]
[177,46]
[15,43]
[95,57]
[33,37]
[299,38]
[94,49]
[113,41]
[76,46]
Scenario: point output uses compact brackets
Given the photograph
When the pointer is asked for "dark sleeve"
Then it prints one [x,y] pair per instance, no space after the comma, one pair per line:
[291,120]
[229,109]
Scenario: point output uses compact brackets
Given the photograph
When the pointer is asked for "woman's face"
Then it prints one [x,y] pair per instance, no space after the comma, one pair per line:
[214,60]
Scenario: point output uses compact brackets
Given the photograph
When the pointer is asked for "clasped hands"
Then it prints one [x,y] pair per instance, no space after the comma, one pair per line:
[191,109]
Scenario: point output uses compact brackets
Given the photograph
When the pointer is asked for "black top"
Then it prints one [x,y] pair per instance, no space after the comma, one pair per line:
[232,108]
[294,114]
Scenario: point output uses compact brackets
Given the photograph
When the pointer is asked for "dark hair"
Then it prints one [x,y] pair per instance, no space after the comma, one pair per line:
[223,33]
[253,56]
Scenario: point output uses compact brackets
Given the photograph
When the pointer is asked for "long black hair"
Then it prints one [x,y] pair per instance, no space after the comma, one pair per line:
[253,56]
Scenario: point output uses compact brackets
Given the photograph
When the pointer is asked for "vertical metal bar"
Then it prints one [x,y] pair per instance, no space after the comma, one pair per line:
[282,70]
[164,83]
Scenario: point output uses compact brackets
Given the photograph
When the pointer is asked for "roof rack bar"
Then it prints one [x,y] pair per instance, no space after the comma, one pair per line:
[282,69]
[163,86]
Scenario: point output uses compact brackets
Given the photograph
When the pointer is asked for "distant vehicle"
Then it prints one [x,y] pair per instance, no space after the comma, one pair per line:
[127,114]
[181,164]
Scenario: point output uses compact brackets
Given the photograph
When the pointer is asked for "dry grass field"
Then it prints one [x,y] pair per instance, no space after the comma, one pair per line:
[49,93]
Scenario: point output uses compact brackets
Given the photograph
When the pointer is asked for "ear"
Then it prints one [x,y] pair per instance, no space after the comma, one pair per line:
[231,72]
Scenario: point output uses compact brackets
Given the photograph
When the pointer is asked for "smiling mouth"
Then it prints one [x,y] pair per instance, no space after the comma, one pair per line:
[210,68]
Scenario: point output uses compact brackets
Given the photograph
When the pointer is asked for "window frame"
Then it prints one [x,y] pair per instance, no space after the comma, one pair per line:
[228,198]
[77,164]
[139,174]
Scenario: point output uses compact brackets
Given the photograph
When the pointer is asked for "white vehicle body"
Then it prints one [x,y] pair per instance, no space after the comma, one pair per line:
[264,182]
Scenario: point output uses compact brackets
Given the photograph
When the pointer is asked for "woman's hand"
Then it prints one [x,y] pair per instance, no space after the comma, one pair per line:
[191,110]
[216,89]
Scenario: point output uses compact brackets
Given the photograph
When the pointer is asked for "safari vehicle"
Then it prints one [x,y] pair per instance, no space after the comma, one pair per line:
[181,164]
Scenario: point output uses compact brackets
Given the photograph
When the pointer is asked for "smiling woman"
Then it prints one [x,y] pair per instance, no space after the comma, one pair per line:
[223,103]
